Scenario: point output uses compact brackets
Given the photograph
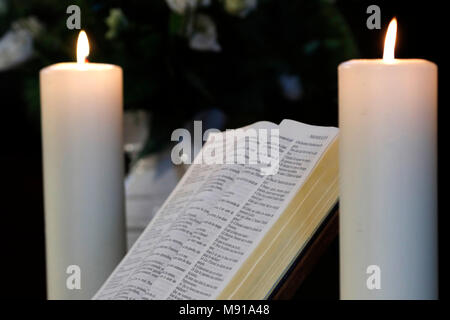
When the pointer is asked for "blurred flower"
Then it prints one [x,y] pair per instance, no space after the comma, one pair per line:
[204,34]
[240,7]
[116,21]
[30,24]
[16,45]
[180,6]
[291,87]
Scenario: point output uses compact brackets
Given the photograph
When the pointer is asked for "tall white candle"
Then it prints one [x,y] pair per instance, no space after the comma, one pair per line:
[81,110]
[388,168]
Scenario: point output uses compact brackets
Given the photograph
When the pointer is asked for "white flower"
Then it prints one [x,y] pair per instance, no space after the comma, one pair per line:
[240,8]
[204,35]
[180,6]
[291,87]
[31,24]
[16,45]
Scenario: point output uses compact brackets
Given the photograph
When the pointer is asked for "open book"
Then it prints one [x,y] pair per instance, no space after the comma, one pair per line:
[232,230]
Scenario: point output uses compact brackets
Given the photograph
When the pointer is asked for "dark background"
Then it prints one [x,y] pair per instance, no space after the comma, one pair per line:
[422,34]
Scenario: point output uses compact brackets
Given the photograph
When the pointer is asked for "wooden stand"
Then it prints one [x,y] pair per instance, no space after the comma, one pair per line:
[308,258]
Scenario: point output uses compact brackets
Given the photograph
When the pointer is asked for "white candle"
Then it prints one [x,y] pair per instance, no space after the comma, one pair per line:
[388,168]
[81,110]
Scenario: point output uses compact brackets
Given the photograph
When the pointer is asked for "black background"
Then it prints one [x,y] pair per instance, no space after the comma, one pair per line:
[422,34]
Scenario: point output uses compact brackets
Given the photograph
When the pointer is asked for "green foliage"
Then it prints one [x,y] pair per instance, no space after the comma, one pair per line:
[166,75]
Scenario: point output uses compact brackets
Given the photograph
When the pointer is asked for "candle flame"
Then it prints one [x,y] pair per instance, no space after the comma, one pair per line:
[389,42]
[82,47]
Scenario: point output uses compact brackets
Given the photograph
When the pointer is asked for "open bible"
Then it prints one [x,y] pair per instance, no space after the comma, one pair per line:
[232,230]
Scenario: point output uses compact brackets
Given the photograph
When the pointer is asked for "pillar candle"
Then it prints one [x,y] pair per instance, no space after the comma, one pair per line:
[81,111]
[388,173]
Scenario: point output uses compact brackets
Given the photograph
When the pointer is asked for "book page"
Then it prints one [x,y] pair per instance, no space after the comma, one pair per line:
[233,239]
[198,192]
[215,218]
[246,183]
[177,201]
